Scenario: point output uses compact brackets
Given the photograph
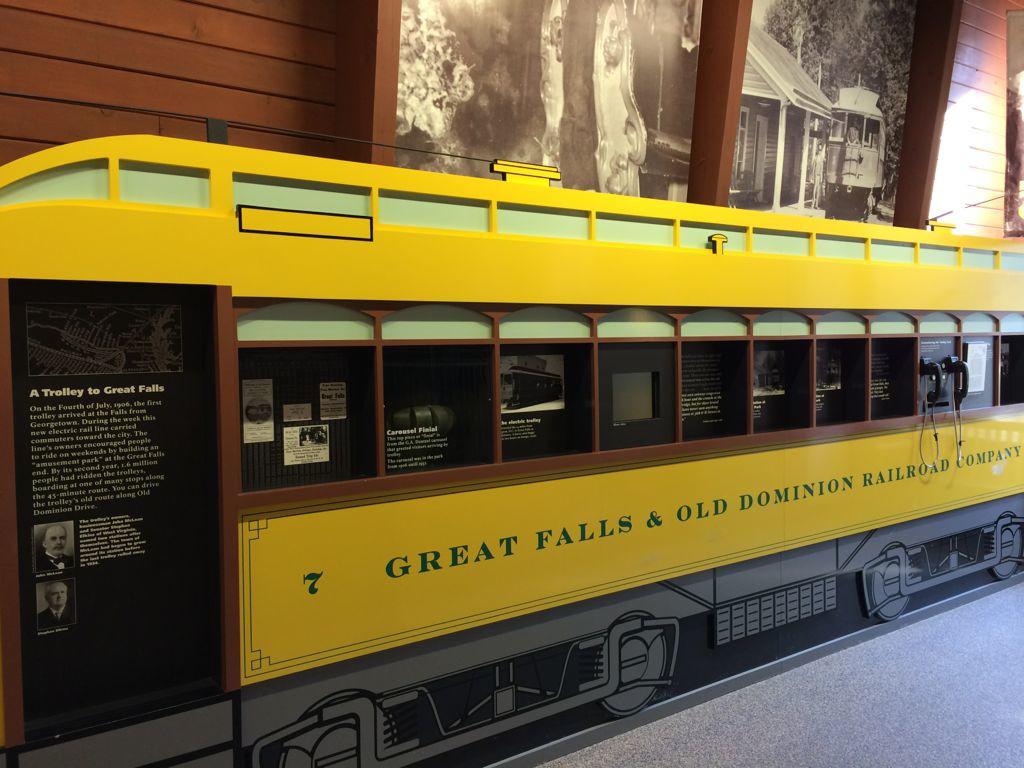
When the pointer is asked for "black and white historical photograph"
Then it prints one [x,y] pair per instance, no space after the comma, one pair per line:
[54,546]
[1014,123]
[532,383]
[603,89]
[769,372]
[55,604]
[822,108]
[306,445]
[258,410]
[830,369]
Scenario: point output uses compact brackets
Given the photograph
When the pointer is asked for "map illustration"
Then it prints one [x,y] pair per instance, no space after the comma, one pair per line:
[79,339]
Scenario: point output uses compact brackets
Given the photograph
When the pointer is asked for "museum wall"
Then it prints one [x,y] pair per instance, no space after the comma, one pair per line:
[268,63]
[972,155]
[277,63]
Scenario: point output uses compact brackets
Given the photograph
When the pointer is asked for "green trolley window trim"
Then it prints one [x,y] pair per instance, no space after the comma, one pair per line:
[297,195]
[892,251]
[433,211]
[86,180]
[976,259]
[713,322]
[938,256]
[441,322]
[533,221]
[979,322]
[544,323]
[782,322]
[777,350]
[780,243]
[158,184]
[305,321]
[841,323]
[634,230]
[635,323]
[892,324]
[938,322]
[835,247]
[1012,323]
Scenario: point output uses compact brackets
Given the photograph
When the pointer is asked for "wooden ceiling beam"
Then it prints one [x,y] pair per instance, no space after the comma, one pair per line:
[725,26]
[366,68]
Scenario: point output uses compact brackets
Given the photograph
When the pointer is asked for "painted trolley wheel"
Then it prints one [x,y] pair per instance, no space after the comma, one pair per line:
[883,588]
[642,656]
[1010,547]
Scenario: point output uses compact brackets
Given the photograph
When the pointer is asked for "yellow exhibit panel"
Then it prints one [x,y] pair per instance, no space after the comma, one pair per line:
[322,586]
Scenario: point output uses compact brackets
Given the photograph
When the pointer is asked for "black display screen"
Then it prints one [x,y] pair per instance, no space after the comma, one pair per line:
[714,389]
[1011,365]
[781,385]
[839,381]
[637,382]
[116,467]
[894,368]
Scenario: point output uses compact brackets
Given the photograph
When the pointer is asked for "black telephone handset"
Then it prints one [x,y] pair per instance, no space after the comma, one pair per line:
[933,372]
[954,365]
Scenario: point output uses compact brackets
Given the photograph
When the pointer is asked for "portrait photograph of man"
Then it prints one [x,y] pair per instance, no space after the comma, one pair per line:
[55,602]
[54,546]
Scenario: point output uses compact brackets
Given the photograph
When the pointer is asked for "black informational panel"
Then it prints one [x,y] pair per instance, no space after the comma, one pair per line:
[546,400]
[1012,366]
[894,368]
[979,353]
[437,407]
[937,349]
[714,397]
[781,385]
[636,390]
[839,381]
[307,416]
[117,498]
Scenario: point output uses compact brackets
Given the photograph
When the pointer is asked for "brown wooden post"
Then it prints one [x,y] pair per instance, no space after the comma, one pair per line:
[724,28]
[936,25]
[229,452]
[366,67]
[10,604]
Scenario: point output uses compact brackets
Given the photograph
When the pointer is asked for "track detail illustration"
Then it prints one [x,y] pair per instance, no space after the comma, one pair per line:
[622,668]
[901,571]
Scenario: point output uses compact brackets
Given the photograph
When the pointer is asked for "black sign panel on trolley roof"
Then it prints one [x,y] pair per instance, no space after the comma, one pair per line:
[116,493]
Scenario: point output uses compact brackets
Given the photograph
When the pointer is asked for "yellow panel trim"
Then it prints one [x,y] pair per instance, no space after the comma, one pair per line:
[337,226]
[413,568]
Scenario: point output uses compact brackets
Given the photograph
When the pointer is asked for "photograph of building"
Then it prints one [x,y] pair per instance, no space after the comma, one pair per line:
[824,95]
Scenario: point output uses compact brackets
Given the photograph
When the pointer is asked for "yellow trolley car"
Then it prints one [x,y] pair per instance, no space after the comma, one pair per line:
[419,463]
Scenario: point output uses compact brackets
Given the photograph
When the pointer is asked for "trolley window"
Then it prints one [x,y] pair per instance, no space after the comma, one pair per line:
[871,134]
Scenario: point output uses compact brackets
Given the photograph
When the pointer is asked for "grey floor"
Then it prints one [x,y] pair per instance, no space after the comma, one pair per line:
[948,690]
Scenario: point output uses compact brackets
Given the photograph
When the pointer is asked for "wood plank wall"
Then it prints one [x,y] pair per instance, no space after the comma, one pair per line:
[266,62]
[273,62]
[972,154]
